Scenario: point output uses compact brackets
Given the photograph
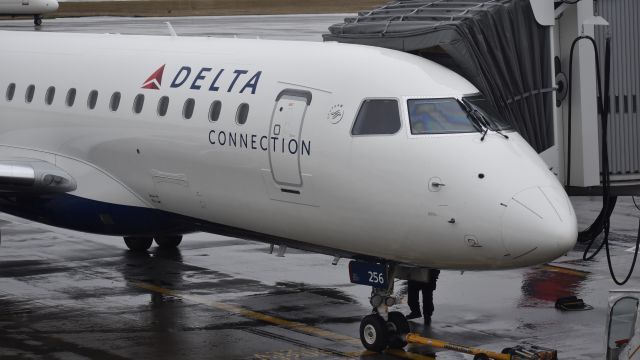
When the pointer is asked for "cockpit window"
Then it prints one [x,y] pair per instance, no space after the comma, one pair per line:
[439,116]
[377,117]
[488,111]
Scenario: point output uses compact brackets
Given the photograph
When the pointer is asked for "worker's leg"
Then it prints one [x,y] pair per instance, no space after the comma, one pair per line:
[427,302]
[412,300]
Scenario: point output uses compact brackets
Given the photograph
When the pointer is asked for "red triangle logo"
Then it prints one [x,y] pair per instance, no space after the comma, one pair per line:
[155,80]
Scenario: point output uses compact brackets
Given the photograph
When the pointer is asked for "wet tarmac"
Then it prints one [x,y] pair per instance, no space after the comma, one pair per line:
[69,295]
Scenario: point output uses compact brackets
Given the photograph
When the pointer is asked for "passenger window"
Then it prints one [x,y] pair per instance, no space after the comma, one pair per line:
[49,95]
[28,96]
[71,97]
[214,110]
[242,113]
[187,109]
[114,103]
[163,105]
[377,117]
[93,99]
[439,116]
[138,103]
[11,91]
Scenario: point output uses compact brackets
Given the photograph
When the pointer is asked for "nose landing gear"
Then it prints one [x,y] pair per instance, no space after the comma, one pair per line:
[382,329]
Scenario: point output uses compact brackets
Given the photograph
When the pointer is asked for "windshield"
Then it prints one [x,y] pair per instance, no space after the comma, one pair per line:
[488,111]
[439,116]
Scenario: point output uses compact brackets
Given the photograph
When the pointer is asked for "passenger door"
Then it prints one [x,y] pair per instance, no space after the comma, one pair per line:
[285,145]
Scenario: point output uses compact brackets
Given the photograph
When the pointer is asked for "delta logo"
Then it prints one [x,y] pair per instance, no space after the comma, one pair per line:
[155,80]
[218,80]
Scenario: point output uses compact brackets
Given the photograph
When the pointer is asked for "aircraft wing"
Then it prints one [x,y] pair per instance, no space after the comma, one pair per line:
[33,176]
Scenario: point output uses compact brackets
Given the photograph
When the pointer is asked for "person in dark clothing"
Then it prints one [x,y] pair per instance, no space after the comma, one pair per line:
[427,288]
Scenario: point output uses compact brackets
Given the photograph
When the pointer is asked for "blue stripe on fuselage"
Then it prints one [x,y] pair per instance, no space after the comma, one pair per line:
[77,213]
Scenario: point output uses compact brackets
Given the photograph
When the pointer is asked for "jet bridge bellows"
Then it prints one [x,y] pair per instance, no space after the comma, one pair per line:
[624,118]
[495,44]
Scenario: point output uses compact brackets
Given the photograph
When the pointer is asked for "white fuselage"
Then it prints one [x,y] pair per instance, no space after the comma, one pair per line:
[368,195]
[27,7]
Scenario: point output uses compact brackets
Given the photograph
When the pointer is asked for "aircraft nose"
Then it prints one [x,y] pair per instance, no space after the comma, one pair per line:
[53,4]
[539,225]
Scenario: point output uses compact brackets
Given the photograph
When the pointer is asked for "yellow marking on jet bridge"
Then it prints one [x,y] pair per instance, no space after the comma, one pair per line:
[292,325]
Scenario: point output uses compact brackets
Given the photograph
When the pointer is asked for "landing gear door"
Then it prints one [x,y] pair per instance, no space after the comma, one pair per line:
[285,145]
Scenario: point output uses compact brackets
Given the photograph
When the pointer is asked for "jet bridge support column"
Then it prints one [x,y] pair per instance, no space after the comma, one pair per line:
[573,21]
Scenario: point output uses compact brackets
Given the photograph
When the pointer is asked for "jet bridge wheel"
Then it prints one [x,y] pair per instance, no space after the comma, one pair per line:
[37,20]
[373,333]
[138,243]
[168,242]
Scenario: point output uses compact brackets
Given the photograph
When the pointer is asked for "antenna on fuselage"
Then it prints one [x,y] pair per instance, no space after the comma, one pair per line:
[172,31]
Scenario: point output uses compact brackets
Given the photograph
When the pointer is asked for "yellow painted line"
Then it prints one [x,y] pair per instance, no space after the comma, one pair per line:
[292,325]
[565,270]
[407,355]
[292,354]
[634,352]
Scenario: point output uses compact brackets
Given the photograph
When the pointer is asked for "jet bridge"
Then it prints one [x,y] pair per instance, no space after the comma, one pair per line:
[517,52]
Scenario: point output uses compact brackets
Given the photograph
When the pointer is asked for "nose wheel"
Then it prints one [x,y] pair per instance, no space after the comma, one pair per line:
[377,334]
[37,20]
[373,333]
[397,328]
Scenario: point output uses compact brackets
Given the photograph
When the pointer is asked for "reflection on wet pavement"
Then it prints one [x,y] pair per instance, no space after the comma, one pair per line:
[546,284]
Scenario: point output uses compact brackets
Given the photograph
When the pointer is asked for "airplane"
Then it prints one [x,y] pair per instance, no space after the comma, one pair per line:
[36,8]
[357,152]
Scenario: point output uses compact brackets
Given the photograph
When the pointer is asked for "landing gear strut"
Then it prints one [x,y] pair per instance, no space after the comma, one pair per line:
[37,20]
[382,329]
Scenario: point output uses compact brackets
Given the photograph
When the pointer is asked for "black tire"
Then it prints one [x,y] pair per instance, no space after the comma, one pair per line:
[397,327]
[169,241]
[37,20]
[481,357]
[373,333]
[138,243]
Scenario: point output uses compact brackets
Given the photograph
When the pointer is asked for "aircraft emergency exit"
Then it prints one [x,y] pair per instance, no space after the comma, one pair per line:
[35,8]
[352,151]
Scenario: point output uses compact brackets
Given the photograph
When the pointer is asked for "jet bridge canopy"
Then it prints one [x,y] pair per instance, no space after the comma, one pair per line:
[495,44]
